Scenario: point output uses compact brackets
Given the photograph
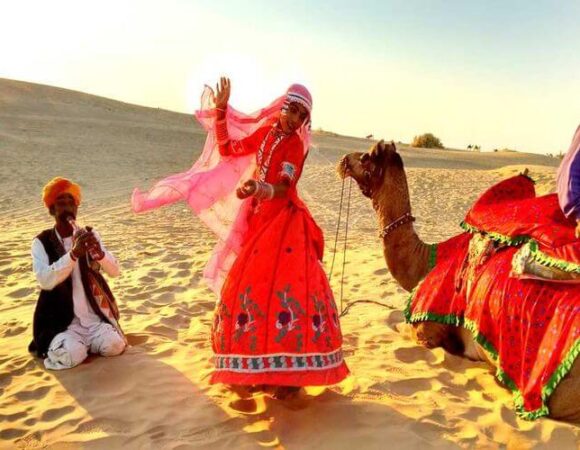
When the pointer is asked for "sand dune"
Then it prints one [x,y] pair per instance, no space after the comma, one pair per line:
[157,394]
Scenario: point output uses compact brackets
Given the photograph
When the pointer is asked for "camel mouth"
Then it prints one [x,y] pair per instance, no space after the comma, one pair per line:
[343,168]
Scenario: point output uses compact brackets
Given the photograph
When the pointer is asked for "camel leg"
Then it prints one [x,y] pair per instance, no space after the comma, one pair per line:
[473,350]
[564,403]
[433,334]
[429,334]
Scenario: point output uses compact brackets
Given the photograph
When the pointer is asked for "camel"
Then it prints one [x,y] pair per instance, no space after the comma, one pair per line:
[381,177]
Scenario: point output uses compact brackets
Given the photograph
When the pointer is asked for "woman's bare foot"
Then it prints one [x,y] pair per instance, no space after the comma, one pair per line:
[242,391]
[242,401]
[286,392]
[257,388]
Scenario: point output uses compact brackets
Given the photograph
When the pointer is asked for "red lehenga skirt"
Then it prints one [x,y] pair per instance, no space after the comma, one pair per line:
[276,322]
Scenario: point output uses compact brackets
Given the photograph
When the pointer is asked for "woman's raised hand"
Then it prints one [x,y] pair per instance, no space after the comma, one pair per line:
[222,93]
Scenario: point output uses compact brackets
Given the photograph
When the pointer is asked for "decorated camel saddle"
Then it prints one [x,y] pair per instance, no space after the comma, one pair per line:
[512,280]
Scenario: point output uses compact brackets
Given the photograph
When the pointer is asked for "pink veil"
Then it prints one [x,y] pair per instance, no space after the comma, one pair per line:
[209,185]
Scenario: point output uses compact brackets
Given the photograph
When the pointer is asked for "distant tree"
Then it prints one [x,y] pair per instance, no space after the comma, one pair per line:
[469,147]
[495,150]
[427,140]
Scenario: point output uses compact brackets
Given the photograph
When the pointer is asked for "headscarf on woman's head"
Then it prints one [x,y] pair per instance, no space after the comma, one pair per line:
[298,93]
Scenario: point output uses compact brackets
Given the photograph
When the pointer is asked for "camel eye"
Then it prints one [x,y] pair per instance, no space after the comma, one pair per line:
[364,158]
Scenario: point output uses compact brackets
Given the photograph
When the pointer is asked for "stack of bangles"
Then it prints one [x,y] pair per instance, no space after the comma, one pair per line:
[221,132]
[264,191]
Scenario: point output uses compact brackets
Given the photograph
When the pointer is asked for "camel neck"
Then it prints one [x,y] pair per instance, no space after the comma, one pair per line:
[407,256]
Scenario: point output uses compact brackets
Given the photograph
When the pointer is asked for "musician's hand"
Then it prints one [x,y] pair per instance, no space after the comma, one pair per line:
[96,250]
[80,244]
[94,246]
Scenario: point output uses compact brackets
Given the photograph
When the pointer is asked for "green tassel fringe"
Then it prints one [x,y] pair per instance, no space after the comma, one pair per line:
[511,241]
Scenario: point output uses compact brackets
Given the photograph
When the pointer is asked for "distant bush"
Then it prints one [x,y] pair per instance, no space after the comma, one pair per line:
[322,132]
[427,140]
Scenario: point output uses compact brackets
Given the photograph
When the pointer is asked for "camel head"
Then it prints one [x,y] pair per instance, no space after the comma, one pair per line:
[370,169]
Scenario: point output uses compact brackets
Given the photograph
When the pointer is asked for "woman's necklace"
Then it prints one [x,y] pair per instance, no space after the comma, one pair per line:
[265,165]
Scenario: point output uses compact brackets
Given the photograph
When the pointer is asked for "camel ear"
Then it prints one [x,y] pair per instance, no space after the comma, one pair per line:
[391,147]
[378,151]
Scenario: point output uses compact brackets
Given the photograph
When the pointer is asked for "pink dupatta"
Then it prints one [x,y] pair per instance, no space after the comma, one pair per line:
[209,187]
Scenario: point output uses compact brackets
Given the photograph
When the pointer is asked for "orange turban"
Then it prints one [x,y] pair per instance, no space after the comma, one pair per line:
[58,186]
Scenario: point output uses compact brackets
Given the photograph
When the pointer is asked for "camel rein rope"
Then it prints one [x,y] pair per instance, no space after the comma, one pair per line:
[344,311]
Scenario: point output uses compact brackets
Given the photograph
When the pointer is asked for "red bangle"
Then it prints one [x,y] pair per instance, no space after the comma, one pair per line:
[221,131]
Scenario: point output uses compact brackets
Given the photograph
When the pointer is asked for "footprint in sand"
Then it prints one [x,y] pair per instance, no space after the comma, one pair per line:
[147,280]
[13,331]
[134,290]
[12,417]
[30,422]
[53,414]
[163,298]
[22,292]
[137,339]
[176,322]
[35,394]
[6,272]
[27,364]
[11,433]
[474,413]
[411,386]
[183,265]
[163,331]
[156,273]
[427,429]
[379,272]
[414,354]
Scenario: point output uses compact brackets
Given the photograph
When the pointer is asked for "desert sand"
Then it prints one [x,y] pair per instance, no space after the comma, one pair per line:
[156,395]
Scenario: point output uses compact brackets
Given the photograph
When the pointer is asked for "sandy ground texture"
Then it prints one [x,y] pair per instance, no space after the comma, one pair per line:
[157,394]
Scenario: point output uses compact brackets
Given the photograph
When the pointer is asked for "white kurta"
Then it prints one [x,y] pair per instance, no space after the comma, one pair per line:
[87,332]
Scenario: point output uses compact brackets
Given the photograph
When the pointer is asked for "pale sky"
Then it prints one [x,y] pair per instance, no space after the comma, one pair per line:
[493,73]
